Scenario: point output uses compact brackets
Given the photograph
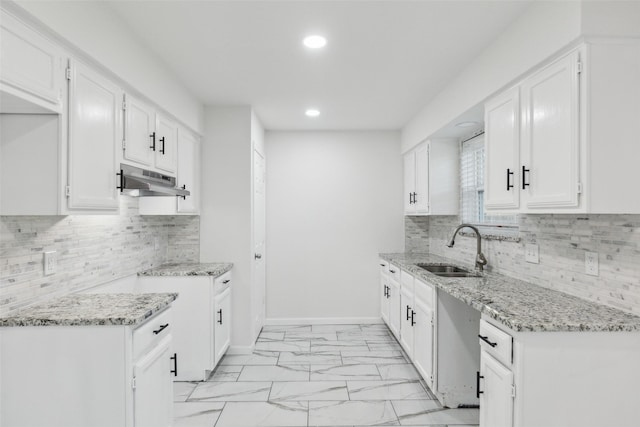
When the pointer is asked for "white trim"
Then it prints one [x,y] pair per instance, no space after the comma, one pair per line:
[323,321]
[240,349]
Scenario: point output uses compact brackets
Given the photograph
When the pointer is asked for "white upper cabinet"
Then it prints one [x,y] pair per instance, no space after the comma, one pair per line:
[431,177]
[550,135]
[31,70]
[502,128]
[139,126]
[188,172]
[95,129]
[165,144]
[564,140]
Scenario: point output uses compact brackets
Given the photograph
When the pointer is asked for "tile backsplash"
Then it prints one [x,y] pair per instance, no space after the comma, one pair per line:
[91,249]
[563,241]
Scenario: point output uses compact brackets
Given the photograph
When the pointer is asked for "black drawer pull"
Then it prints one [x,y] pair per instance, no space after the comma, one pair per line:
[392,271]
[220,313]
[478,377]
[383,265]
[226,281]
[162,328]
[486,339]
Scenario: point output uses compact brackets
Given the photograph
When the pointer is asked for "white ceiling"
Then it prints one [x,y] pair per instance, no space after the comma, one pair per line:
[384,59]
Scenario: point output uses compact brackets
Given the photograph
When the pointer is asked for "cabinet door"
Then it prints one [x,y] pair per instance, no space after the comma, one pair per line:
[423,342]
[421,197]
[222,323]
[30,69]
[153,392]
[502,151]
[94,132]
[138,132]
[384,298]
[188,171]
[406,322]
[394,308]
[550,136]
[166,144]
[409,182]
[496,399]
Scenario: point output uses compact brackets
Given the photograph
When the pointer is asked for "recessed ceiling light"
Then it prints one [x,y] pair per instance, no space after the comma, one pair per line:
[312,112]
[467,124]
[314,42]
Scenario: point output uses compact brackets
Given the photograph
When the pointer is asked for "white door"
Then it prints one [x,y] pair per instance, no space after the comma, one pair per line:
[153,392]
[222,333]
[502,151]
[166,144]
[94,132]
[188,171]
[138,132]
[550,135]
[406,322]
[423,342]
[421,196]
[394,308]
[259,226]
[384,298]
[409,182]
[496,397]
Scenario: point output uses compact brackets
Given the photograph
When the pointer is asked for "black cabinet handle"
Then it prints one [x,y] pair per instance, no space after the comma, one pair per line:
[524,180]
[220,319]
[121,175]
[478,377]
[413,313]
[224,282]
[175,364]
[415,198]
[162,149]
[410,198]
[509,173]
[161,328]
[408,309]
[184,187]
[383,265]
[392,271]
[486,339]
[153,141]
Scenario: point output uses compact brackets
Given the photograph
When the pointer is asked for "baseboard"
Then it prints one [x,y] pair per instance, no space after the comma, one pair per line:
[241,349]
[323,321]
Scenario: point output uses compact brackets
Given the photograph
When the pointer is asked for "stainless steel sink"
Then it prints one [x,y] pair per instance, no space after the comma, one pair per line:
[447,270]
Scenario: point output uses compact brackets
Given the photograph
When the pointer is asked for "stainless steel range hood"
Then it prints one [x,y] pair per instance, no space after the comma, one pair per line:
[138,182]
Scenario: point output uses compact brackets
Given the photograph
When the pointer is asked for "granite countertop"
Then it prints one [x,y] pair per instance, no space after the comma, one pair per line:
[91,309]
[214,269]
[519,305]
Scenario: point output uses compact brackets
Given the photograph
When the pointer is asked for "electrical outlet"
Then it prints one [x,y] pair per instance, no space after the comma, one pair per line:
[531,253]
[50,263]
[591,263]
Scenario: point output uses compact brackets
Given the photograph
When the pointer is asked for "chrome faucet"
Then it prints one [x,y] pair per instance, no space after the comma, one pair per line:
[481,261]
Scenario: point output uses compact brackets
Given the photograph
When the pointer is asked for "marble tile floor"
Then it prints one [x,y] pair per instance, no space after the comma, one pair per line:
[320,375]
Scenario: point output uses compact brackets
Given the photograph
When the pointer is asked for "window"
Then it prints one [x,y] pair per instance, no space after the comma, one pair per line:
[472,191]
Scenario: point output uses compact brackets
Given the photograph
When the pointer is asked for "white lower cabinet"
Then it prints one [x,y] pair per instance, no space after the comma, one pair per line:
[78,376]
[199,339]
[394,302]
[384,294]
[407,314]
[424,331]
[495,390]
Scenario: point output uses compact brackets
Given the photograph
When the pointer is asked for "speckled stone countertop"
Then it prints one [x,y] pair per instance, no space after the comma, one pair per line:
[91,309]
[519,305]
[214,269]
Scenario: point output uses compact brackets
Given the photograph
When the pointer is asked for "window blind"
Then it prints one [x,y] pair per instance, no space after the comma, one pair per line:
[472,188]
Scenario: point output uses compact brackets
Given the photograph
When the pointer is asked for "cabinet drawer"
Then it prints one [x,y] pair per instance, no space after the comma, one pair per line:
[424,293]
[406,281]
[394,272]
[150,333]
[384,267]
[222,283]
[496,342]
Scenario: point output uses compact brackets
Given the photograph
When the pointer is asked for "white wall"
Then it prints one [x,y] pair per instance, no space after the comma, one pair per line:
[225,217]
[542,30]
[334,201]
[95,29]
